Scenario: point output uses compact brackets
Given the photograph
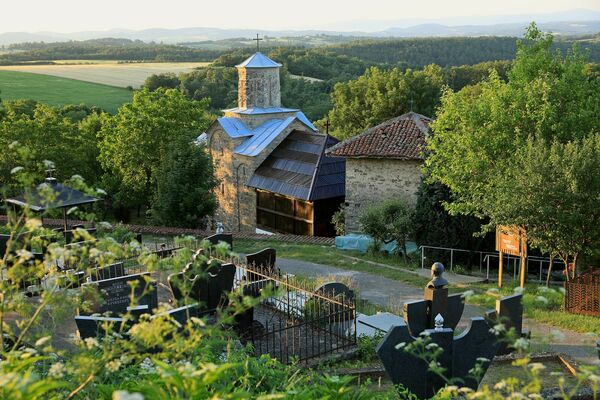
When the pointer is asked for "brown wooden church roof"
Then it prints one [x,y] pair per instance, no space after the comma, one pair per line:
[403,137]
[299,168]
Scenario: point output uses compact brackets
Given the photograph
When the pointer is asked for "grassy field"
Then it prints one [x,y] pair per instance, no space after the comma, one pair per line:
[106,72]
[58,91]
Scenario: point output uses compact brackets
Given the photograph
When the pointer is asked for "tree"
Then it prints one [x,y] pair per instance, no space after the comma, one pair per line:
[185,186]
[481,132]
[380,95]
[46,135]
[388,221]
[166,80]
[135,142]
[434,226]
[558,187]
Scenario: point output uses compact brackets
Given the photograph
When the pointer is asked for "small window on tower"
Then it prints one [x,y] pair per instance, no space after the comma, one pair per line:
[222,188]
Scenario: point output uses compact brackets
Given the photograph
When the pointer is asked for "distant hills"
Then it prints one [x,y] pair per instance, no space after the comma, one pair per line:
[573,22]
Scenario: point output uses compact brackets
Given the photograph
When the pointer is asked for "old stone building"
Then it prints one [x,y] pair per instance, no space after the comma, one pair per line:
[270,160]
[383,163]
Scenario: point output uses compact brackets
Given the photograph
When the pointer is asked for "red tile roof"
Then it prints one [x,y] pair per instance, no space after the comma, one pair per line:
[403,137]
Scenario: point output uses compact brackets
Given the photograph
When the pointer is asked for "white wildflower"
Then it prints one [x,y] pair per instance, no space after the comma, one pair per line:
[535,367]
[48,164]
[13,144]
[42,341]
[90,343]
[498,329]
[71,210]
[77,178]
[125,395]
[147,366]
[400,345]
[518,290]
[482,359]
[101,192]
[500,385]
[33,223]
[16,170]
[105,225]
[468,293]
[113,366]
[521,344]
[57,370]
[541,299]
[431,346]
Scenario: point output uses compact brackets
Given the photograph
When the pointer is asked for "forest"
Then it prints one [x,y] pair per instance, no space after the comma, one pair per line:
[393,52]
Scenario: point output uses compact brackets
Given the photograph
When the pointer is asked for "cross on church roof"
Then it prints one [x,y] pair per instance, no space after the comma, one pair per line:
[327,125]
[257,42]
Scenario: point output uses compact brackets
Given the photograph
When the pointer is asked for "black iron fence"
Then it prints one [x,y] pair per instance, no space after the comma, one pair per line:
[297,322]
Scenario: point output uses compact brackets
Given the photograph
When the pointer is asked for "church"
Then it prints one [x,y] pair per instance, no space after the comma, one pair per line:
[270,161]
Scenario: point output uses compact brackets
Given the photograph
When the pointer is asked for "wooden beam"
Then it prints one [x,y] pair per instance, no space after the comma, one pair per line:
[500,268]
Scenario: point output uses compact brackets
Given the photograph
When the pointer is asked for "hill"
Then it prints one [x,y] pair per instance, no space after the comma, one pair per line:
[61,91]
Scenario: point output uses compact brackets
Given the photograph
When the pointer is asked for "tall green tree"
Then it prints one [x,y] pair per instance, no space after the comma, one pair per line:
[46,134]
[380,95]
[185,184]
[481,132]
[136,141]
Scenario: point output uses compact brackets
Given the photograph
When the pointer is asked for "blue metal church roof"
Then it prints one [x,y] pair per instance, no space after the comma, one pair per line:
[258,60]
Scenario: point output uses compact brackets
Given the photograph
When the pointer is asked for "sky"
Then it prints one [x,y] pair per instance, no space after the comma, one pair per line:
[86,15]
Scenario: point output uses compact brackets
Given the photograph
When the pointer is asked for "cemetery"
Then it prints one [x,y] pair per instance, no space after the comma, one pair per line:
[290,318]
[443,257]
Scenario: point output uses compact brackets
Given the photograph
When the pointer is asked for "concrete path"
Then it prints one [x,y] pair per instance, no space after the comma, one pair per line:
[392,294]
[451,277]
[376,289]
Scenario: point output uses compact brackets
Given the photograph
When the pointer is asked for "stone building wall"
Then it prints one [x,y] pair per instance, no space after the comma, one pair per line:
[370,181]
[258,87]
[236,201]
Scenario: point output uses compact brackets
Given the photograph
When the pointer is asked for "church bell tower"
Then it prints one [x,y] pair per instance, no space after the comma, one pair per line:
[258,83]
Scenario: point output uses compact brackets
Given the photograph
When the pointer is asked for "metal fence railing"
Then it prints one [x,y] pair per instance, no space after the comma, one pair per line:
[298,323]
[486,263]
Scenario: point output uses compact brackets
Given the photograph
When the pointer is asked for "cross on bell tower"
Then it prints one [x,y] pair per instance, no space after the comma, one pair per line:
[257,42]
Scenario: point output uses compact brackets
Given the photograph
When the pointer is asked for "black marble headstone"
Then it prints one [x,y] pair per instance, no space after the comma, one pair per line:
[180,314]
[474,344]
[92,325]
[117,292]
[221,237]
[337,290]
[115,270]
[459,356]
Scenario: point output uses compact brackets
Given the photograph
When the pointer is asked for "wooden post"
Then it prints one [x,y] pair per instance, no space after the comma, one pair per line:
[500,268]
[523,268]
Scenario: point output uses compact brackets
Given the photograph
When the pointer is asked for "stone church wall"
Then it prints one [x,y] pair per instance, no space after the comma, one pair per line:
[237,202]
[370,181]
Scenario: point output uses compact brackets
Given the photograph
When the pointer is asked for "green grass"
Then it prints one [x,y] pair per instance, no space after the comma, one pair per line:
[57,91]
[329,255]
[539,303]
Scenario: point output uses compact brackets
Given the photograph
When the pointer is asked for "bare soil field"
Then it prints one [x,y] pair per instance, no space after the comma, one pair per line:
[106,72]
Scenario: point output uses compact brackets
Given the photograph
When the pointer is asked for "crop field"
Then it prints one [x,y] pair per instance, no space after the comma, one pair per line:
[58,91]
[106,72]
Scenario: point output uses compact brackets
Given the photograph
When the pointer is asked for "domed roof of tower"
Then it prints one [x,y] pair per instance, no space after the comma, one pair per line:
[258,60]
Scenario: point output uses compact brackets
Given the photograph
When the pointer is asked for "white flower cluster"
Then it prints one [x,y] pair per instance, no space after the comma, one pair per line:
[147,366]
[125,395]
[57,370]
